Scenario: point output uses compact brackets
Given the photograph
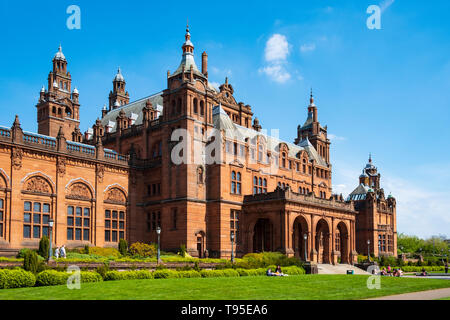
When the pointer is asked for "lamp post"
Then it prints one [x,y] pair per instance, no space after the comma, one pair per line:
[158,232]
[232,247]
[305,237]
[50,253]
[368,250]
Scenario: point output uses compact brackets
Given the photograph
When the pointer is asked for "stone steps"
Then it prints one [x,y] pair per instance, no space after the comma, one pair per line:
[339,269]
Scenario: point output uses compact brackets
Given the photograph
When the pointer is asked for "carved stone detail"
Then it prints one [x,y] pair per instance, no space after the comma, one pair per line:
[80,191]
[17,155]
[116,195]
[100,172]
[61,167]
[38,185]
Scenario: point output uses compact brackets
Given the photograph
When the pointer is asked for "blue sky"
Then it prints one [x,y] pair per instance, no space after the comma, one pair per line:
[381,91]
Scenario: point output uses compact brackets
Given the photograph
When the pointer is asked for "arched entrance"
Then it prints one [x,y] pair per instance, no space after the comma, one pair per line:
[323,242]
[300,229]
[200,244]
[341,242]
[262,236]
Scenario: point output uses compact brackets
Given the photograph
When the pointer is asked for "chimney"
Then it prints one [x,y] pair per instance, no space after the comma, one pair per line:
[205,64]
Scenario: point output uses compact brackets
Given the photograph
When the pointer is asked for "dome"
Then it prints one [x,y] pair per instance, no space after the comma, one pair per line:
[364,175]
[60,55]
[43,89]
[55,84]
[75,91]
[117,104]
[119,77]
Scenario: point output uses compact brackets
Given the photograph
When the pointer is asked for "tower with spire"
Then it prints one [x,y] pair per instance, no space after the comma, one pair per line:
[58,105]
[314,132]
[118,96]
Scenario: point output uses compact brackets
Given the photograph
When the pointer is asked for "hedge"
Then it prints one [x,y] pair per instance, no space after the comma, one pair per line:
[419,269]
[166,274]
[189,274]
[56,278]
[16,278]
[128,275]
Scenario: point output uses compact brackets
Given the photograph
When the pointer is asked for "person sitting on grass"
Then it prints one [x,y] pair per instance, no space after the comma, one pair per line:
[424,272]
[269,273]
[278,272]
[383,272]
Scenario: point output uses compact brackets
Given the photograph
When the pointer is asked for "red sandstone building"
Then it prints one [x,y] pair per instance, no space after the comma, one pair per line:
[121,179]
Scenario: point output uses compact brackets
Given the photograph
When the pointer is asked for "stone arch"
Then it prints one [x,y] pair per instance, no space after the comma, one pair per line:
[80,191]
[4,179]
[300,227]
[322,240]
[342,243]
[263,235]
[38,183]
[115,194]
[201,243]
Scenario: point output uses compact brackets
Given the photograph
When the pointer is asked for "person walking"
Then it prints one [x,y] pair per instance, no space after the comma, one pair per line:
[57,252]
[446,267]
[62,251]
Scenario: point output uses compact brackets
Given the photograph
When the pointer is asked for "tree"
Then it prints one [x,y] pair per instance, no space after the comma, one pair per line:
[44,247]
[123,247]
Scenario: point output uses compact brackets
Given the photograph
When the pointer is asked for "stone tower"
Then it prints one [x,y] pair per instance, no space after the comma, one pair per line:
[58,107]
[118,96]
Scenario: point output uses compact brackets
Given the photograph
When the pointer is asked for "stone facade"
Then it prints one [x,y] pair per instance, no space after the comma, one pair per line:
[121,177]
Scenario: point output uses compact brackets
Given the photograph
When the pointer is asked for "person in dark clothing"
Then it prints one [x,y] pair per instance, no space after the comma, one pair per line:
[446,267]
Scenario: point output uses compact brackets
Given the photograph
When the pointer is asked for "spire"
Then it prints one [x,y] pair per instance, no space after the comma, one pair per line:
[370,157]
[311,100]
[119,77]
[188,57]
[60,55]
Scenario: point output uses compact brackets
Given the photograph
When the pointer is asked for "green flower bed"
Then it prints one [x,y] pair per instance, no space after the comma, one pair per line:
[16,278]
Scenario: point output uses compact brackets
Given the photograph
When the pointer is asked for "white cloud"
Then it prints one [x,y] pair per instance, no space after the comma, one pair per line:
[276,54]
[277,48]
[308,47]
[276,72]
[334,137]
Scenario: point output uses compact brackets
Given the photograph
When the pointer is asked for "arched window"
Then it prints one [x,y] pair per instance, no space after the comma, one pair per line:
[78,223]
[173,107]
[195,105]
[114,225]
[283,160]
[202,108]
[179,106]
[36,219]
[260,153]
[200,175]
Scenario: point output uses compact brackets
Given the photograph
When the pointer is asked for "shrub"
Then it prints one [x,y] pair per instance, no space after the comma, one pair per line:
[186,267]
[128,275]
[104,252]
[123,247]
[16,278]
[265,259]
[87,276]
[143,250]
[189,274]
[183,250]
[102,270]
[44,247]
[197,266]
[51,278]
[165,274]
[293,270]
[31,261]
[230,273]
[23,252]
[212,273]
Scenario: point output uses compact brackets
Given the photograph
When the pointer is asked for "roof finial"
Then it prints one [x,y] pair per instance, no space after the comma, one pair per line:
[370,157]
[311,100]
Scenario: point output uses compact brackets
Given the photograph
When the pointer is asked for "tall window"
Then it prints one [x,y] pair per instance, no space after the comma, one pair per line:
[2,216]
[78,223]
[35,221]
[156,220]
[260,153]
[195,105]
[259,185]
[337,241]
[236,180]
[114,225]
[234,224]
[174,218]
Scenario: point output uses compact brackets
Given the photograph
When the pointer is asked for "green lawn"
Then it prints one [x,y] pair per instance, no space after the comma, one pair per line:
[305,287]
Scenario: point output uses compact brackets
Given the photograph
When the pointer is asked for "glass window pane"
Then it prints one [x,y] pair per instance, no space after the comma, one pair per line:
[114,236]
[27,206]
[79,212]
[78,222]
[114,214]
[114,224]
[37,218]
[46,208]
[45,231]
[121,225]
[27,217]
[107,235]
[122,215]
[70,211]
[37,207]
[86,223]
[231,224]
[36,232]
[1,216]
[70,221]
[108,224]
[121,235]
[27,231]
[69,234]
[87,212]
[1,230]
[78,234]
[45,219]
[86,234]
[107,214]
[1,203]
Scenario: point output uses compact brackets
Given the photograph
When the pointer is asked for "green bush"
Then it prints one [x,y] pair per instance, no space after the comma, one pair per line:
[51,278]
[16,278]
[166,274]
[143,249]
[230,273]
[23,252]
[183,250]
[123,247]
[263,260]
[293,270]
[87,276]
[31,261]
[102,270]
[128,275]
[212,273]
[189,274]
[104,252]
[44,247]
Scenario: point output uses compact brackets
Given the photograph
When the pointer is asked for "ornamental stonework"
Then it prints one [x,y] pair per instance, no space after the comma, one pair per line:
[115,195]
[61,167]
[80,192]
[38,185]
[17,155]
[100,172]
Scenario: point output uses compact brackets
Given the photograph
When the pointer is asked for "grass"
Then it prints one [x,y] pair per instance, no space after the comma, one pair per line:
[305,287]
